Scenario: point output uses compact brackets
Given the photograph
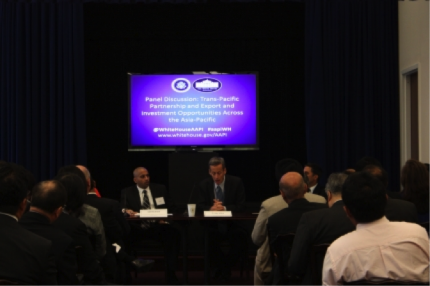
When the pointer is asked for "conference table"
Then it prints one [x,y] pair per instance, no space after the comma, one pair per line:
[181,217]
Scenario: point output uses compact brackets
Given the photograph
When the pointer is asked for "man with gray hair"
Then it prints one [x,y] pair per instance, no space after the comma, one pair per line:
[292,188]
[318,227]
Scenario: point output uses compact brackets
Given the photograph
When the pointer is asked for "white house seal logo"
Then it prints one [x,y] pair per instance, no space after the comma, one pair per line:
[181,85]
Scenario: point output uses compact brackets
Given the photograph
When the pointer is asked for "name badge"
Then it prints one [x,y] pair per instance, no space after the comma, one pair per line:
[153,213]
[217,214]
[159,201]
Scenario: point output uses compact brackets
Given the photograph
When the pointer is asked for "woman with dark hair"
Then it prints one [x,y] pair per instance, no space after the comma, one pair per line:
[76,194]
[415,181]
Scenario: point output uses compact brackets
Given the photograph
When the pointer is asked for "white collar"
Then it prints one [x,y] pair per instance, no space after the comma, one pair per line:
[12,216]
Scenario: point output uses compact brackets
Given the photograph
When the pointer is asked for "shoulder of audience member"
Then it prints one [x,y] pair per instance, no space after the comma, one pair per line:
[315,198]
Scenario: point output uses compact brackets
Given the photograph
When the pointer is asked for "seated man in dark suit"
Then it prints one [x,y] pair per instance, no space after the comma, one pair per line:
[26,258]
[317,227]
[396,209]
[48,199]
[146,195]
[292,188]
[222,192]
[313,172]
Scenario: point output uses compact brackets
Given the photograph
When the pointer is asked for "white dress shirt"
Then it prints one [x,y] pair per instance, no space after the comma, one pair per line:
[148,192]
[379,250]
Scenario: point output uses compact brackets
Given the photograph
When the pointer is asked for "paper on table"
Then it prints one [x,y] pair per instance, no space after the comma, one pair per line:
[153,213]
[217,214]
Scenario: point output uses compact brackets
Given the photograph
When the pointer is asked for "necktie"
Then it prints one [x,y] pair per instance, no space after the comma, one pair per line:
[219,194]
[145,202]
[145,205]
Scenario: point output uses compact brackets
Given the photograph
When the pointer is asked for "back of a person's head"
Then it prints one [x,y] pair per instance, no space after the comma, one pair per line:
[25,175]
[292,185]
[363,162]
[72,169]
[378,172]
[287,165]
[415,181]
[13,189]
[48,196]
[335,183]
[75,189]
[364,195]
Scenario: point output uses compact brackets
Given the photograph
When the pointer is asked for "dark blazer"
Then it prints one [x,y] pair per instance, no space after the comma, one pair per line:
[86,257]
[107,209]
[316,227]
[62,247]
[400,210]
[130,198]
[234,194]
[286,220]
[320,190]
[26,258]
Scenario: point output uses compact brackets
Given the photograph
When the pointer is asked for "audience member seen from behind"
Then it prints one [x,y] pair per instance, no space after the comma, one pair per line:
[319,227]
[48,199]
[384,250]
[415,182]
[292,188]
[89,215]
[396,210]
[68,222]
[25,257]
[263,262]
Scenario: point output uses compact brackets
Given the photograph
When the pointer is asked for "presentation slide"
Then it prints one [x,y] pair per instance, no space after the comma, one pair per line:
[193,110]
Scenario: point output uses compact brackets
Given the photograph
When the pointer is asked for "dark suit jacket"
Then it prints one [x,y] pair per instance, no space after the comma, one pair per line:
[62,247]
[400,210]
[25,257]
[234,194]
[320,190]
[107,209]
[86,257]
[286,220]
[316,227]
[130,198]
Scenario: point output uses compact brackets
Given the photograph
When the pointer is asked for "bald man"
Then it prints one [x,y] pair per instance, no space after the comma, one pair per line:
[293,189]
[146,195]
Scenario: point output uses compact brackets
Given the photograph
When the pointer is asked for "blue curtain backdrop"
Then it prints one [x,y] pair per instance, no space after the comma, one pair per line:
[352,106]
[351,83]
[42,106]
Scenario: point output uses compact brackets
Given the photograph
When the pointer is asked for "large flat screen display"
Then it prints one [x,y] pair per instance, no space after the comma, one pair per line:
[198,110]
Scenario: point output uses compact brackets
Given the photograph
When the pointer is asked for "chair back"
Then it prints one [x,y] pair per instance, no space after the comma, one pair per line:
[317,258]
[384,282]
[280,250]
